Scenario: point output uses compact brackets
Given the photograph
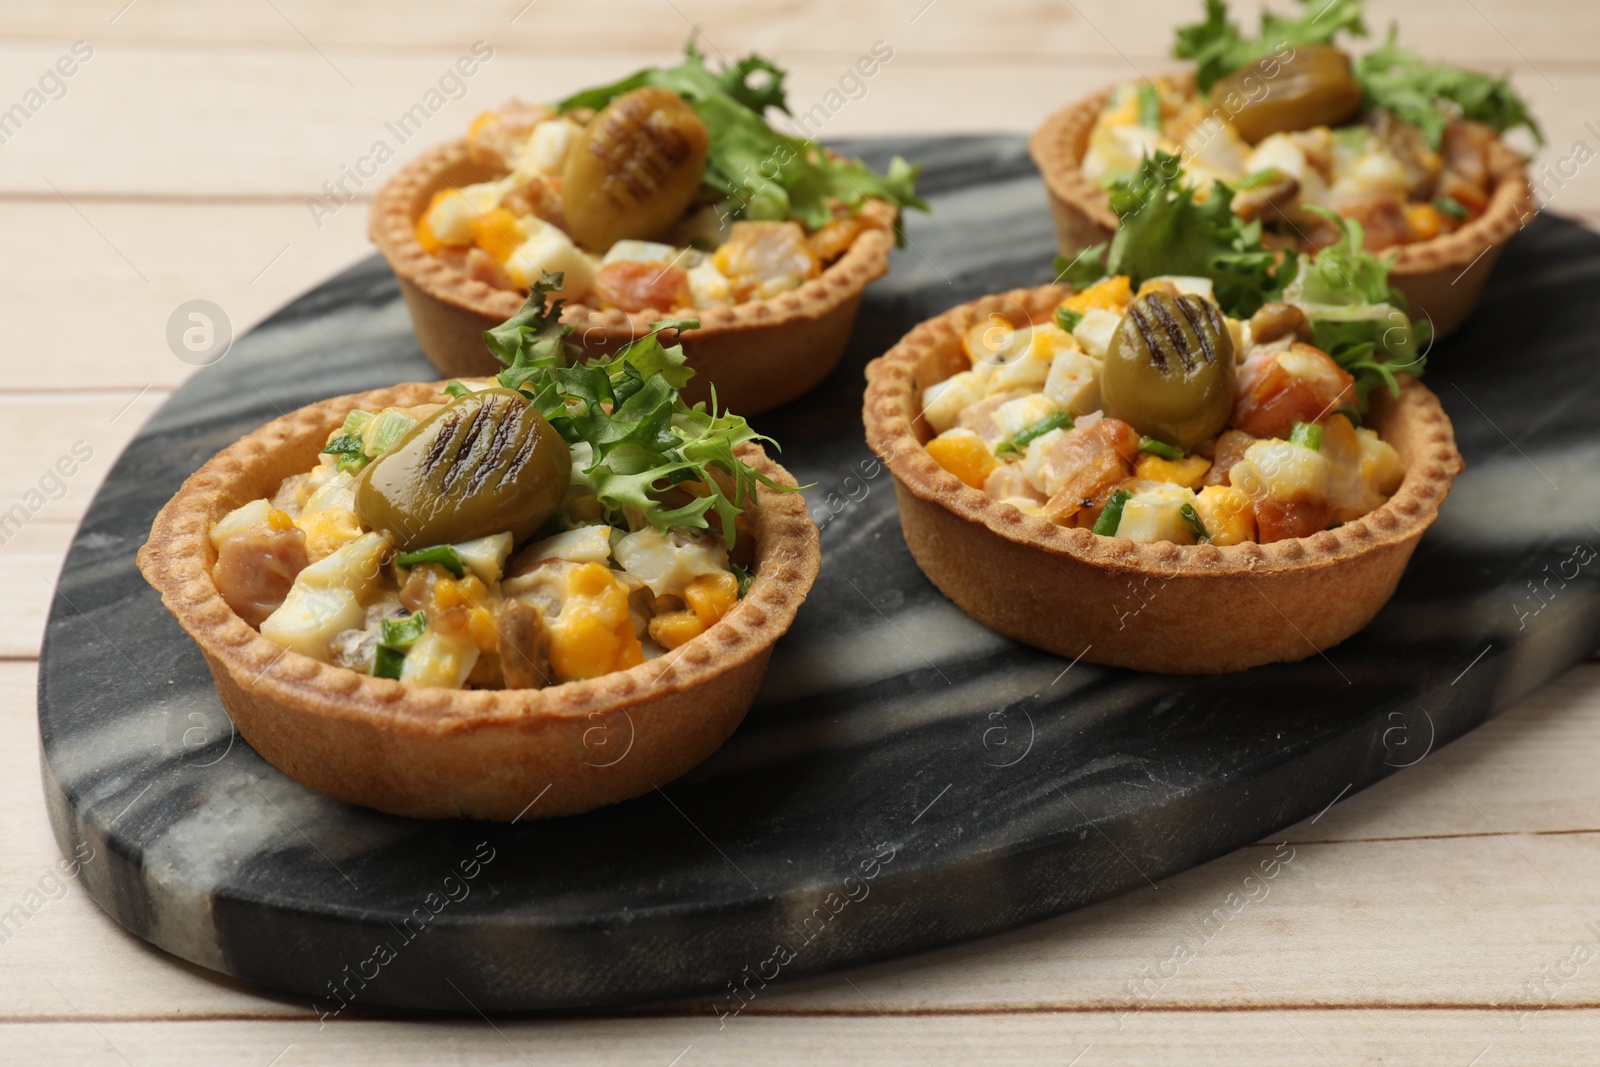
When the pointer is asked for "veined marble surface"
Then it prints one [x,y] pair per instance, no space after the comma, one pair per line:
[907,778]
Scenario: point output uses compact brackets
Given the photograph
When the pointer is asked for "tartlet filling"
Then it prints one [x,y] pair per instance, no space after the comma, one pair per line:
[1292,124]
[1219,401]
[557,524]
[665,191]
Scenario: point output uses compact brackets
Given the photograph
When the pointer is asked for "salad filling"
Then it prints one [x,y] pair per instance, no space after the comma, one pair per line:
[1197,387]
[666,190]
[1293,124]
[557,523]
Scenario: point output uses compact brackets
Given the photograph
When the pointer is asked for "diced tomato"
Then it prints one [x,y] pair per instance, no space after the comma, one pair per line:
[1302,384]
[635,286]
[1279,520]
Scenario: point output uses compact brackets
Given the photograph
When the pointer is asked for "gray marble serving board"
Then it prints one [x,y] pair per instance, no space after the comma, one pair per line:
[907,779]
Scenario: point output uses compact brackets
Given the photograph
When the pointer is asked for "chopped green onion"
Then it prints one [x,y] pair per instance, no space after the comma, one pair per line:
[1149,107]
[1192,519]
[403,633]
[1106,525]
[387,662]
[386,432]
[346,442]
[1452,207]
[443,555]
[1017,442]
[1259,178]
[1159,448]
[1306,435]
[457,389]
[744,577]
[1068,319]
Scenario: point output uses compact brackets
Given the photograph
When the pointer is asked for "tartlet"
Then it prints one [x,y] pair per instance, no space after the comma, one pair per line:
[431,752]
[1442,277]
[664,194]
[1149,606]
[759,354]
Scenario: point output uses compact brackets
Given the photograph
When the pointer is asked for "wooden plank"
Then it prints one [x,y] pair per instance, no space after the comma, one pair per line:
[1545,33]
[61,447]
[105,283]
[1294,1039]
[34,553]
[1331,927]
[279,122]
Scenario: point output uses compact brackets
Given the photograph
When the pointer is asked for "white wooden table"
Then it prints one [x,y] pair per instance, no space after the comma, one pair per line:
[1449,915]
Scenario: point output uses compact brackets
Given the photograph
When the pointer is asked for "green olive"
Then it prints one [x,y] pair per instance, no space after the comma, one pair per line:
[486,463]
[1313,87]
[635,169]
[1169,370]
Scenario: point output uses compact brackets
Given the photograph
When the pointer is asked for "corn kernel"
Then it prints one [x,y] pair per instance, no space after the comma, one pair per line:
[675,627]
[712,596]
[1108,294]
[1226,511]
[1426,221]
[279,521]
[965,456]
[590,580]
[1187,472]
[481,628]
[498,232]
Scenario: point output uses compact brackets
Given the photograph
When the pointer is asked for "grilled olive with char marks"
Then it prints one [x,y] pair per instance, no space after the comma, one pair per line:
[1312,87]
[635,168]
[1169,370]
[485,464]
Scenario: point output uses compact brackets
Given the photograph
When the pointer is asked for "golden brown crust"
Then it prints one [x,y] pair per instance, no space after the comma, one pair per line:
[1158,607]
[442,753]
[758,354]
[1442,277]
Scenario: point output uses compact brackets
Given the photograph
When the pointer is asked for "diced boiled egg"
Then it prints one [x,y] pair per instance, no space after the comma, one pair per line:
[708,286]
[549,249]
[644,252]
[1154,512]
[453,211]
[943,401]
[239,520]
[1018,414]
[1094,333]
[586,544]
[1074,382]
[1282,470]
[545,152]
[486,556]
[327,597]
[669,562]
[439,659]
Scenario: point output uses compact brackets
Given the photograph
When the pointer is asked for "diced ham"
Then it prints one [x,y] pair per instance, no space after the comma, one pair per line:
[256,568]
[1301,385]
[1085,466]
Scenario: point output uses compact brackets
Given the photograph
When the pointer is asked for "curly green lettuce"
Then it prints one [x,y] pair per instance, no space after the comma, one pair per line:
[1413,90]
[756,171]
[1356,316]
[641,437]
[1163,229]
[1218,48]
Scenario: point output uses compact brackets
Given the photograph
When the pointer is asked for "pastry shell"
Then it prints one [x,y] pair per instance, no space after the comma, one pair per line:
[758,354]
[1442,277]
[440,753]
[1176,609]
